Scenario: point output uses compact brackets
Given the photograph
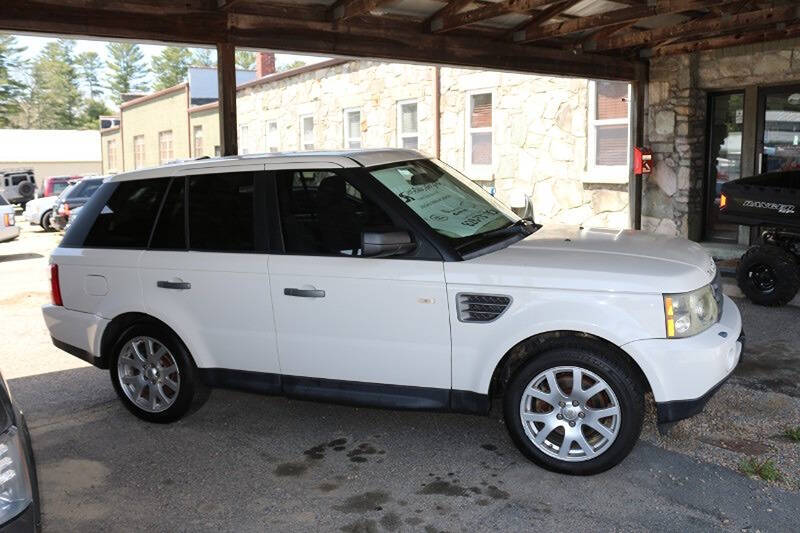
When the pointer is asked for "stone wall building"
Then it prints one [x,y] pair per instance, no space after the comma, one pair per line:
[562,141]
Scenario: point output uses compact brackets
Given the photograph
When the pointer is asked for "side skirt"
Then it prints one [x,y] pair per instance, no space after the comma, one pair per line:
[348,392]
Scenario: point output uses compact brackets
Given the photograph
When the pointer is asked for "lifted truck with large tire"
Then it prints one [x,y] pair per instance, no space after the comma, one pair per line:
[769,272]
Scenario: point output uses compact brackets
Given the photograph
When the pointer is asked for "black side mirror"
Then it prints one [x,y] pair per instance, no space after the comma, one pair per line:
[387,242]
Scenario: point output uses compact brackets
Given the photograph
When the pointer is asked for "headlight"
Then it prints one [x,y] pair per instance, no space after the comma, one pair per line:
[16,492]
[690,313]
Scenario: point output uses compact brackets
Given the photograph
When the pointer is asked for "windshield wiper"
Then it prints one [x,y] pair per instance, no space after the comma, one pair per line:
[511,229]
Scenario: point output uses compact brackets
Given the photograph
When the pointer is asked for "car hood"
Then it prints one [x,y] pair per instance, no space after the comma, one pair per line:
[567,257]
[44,201]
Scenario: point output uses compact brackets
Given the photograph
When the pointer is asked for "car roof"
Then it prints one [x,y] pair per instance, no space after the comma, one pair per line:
[335,158]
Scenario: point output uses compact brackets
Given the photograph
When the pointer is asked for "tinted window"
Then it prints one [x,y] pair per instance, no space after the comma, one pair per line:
[126,218]
[85,188]
[221,208]
[323,214]
[170,232]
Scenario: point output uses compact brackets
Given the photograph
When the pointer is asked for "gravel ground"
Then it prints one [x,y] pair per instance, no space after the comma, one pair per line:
[251,463]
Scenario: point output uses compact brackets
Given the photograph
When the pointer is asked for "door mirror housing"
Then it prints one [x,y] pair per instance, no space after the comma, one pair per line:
[386,242]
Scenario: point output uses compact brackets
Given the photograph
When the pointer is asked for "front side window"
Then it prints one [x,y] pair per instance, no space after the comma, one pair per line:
[197,136]
[127,217]
[479,134]
[307,132]
[447,201]
[323,214]
[138,151]
[165,152]
[407,125]
[608,131]
[352,128]
[271,134]
[221,211]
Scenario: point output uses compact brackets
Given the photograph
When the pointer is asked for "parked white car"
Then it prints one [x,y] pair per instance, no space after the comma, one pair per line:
[37,212]
[385,278]
[8,226]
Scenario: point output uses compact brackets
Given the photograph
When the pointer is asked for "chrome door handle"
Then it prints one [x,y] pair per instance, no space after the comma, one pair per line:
[305,293]
[180,285]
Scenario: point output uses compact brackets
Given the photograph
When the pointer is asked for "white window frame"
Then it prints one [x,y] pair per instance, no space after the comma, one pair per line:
[401,135]
[137,161]
[605,173]
[303,140]
[166,148]
[197,128]
[244,139]
[267,147]
[345,139]
[111,154]
[478,172]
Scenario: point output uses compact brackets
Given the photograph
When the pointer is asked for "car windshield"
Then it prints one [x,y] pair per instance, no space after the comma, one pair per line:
[446,200]
[59,186]
[85,188]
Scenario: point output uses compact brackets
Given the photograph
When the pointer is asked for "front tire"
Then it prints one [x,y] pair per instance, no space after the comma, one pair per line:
[768,275]
[46,221]
[153,373]
[574,430]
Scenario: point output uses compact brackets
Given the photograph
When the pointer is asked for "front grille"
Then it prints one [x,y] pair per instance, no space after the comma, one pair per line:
[716,288]
[481,307]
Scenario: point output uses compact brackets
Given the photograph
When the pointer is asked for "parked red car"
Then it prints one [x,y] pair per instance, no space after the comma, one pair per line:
[53,185]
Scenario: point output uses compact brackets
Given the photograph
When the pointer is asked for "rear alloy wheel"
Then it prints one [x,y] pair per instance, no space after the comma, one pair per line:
[575,408]
[153,373]
[768,275]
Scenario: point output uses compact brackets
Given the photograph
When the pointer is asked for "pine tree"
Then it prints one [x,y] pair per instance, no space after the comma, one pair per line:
[55,93]
[90,66]
[92,111]
[171,67]
[245,60]
[127,69]
[11,89]
[204,57]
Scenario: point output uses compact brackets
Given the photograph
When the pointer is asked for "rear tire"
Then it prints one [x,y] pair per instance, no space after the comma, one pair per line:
[768,275]
[154,374]
[46,221]
[570,419]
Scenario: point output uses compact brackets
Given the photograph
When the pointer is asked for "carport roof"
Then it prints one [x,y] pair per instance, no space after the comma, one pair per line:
[588,38]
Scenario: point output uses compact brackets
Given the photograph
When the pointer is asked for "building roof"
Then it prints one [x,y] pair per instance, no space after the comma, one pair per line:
[49,145]
[334,158]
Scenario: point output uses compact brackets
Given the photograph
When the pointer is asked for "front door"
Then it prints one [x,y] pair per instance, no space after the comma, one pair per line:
[352,327]
[779,129]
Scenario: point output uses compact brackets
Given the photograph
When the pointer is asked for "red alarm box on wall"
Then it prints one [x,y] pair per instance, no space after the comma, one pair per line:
[642,160]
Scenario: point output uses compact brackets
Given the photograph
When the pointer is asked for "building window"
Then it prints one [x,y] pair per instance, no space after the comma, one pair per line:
[271,134]
[407,125]
[244,133]
[197,137]
[307,132]
[352,128]
[111,154]
[609,145]
[479,135]
[138,151]
[165,152]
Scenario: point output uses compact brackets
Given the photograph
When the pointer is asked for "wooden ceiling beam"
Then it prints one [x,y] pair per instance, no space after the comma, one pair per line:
[703,26]
[489,11]
[712,43]
[343,10]
[612,18]
[545,15]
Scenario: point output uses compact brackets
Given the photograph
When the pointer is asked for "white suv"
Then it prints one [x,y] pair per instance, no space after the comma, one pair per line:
[385,278]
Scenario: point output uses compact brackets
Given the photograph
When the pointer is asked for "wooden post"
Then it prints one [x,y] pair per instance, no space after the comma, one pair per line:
[638,92]
[226,78]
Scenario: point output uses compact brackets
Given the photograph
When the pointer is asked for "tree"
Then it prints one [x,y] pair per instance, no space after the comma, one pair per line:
[92,111]
[171,66]
[56,98]
[204,57]
[127,69]
[245,60]
[11,90]
[90,66]
[289,66]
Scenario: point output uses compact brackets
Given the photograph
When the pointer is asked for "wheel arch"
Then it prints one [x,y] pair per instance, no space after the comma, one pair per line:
[534,345]
[122,322]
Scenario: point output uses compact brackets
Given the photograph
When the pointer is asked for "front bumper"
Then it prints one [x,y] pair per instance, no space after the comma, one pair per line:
[684,373]
[75,332]
[8,233]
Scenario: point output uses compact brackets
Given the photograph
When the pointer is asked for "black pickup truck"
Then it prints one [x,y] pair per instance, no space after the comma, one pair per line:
[769,272]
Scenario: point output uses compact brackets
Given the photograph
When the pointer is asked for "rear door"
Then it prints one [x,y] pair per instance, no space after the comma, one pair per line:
[205,272]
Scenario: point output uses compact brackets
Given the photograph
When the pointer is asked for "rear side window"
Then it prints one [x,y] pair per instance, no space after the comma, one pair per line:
[170,231]
[126,218]
[221,212]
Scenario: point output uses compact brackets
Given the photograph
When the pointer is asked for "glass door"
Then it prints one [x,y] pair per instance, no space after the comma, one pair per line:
[724,161]
[779,129]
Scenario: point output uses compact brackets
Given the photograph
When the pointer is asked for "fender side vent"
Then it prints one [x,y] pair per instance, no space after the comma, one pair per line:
[481,307]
